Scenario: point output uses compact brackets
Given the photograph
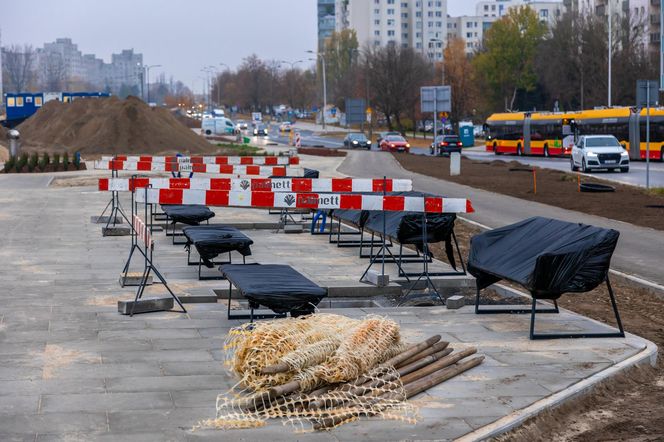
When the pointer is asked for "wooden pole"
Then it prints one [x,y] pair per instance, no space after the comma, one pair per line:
[435,348]
[442,363]
[412,351]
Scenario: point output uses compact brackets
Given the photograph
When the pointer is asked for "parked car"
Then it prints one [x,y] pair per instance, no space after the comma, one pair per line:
[395,143]
[357,139]
[382,135]
[242,125]
[260,130]
[593,152]
[445,145]
[285,126]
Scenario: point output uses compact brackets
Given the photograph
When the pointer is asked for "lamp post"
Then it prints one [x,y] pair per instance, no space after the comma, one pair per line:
[219,84]
[148,78]
[610,50]
[322,57]
[291,63]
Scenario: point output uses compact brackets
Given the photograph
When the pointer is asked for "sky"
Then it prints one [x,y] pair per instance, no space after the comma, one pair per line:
[182,36]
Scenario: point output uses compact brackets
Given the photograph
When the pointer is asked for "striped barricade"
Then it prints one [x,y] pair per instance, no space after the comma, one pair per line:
[222,160]
[260,184]
[142,232]
[291,200]
[145,166]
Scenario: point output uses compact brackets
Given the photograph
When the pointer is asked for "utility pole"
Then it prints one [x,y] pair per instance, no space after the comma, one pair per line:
[610,51]
[322,57]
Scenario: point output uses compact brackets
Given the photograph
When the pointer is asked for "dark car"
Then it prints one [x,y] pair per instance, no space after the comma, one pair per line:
[357,139]
[260,130]
[445,145]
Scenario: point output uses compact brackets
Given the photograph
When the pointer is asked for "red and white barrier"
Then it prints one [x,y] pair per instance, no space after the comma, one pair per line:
[142,232]
[222,160]
[290,200]
[146,166]
[298,140]
[260,184]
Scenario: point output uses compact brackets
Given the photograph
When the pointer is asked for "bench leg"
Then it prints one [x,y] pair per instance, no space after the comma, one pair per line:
[617,334]
[510,310]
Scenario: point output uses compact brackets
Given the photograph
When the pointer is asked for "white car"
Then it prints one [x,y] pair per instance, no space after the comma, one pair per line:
[593,152]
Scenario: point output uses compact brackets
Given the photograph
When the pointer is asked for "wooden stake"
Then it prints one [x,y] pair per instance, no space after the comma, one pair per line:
[442,363]
[435,348]
[412,351]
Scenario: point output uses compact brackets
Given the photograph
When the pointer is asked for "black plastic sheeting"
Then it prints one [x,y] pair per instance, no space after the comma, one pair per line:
[277,287]
[406,227]
[190,214]
[548,257]
[211,241]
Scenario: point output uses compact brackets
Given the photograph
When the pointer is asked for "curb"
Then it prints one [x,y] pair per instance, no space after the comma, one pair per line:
[515,419]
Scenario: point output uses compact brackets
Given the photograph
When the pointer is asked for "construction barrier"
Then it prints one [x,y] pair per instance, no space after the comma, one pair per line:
[290,200]
[260,184]
[298,140]
[147,166]
[233,160]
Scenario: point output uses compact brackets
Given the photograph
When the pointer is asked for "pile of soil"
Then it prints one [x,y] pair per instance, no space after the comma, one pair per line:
[109,125]
[191,123]
[555,188]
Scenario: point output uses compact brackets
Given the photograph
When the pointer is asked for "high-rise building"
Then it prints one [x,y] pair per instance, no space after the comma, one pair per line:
[418,24]
[471,29]
[326,21]
[547,11]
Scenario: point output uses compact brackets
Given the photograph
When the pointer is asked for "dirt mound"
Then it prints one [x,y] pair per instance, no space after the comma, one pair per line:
[109,125]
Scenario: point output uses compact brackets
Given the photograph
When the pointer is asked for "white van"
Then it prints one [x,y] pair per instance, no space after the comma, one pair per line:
[217,126]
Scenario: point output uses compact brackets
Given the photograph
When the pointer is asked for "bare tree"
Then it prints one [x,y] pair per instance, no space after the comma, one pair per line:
[396,75]
[18,67]
[53,71]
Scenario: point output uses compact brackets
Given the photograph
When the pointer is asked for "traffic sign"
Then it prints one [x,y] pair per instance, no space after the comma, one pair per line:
[436,99]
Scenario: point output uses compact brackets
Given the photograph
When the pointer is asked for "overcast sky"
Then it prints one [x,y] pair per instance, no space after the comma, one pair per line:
[182,36]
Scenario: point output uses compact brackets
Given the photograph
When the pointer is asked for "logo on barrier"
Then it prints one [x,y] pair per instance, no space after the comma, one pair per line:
[289,199]
[244,184]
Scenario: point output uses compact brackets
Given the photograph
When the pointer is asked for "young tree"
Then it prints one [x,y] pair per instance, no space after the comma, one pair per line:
[458,72]
[53,71]
[340,52]
[18,66]
[507,62]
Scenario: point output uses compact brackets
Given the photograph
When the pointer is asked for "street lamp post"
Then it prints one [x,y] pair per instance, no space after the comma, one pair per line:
[291,63]
[610,50]
[322,57]
[219,84]
[148,78]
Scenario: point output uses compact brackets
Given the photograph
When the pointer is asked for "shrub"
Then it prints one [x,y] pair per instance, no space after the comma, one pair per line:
[22,161]
[65,161]
[10,163]
[56,161]
[44,161]
[33,161]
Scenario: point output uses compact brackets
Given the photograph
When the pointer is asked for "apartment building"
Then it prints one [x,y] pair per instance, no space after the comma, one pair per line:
[418,24]
[471,29]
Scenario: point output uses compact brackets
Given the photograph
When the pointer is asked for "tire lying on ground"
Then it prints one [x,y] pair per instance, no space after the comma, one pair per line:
[595,187]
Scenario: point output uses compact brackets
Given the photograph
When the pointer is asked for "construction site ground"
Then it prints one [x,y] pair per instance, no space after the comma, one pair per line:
[73,367]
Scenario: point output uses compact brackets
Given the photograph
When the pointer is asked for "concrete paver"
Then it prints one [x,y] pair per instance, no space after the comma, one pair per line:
[72,367]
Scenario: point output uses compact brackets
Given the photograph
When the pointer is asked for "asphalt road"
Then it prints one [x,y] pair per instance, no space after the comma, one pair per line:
[640,250]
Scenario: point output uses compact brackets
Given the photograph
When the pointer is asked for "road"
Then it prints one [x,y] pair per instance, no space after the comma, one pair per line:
[640,250]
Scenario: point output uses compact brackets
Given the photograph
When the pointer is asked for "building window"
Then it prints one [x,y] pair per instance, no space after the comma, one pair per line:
[469,24]
[439,4]
[377,22]
[38,101]
[390,33]
[486,7]
[19,101]
[404,15]
[390,12]
[377,11]
[404,36]
[390,22]
[418,14]
[439,24]
[11,102]
[430,24]
[404,5]
[544,13]
[439,14]
[430,14]
[418,45]
[390,2]
[404,25]
[377,33]
[469,35]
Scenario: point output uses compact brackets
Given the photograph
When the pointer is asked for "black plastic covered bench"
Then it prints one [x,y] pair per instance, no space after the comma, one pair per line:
[280,288]
[548,257]
[189,214]
[211,241]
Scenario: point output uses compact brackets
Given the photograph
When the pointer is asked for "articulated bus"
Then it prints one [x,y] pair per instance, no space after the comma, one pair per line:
[538,133]
[543,133]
